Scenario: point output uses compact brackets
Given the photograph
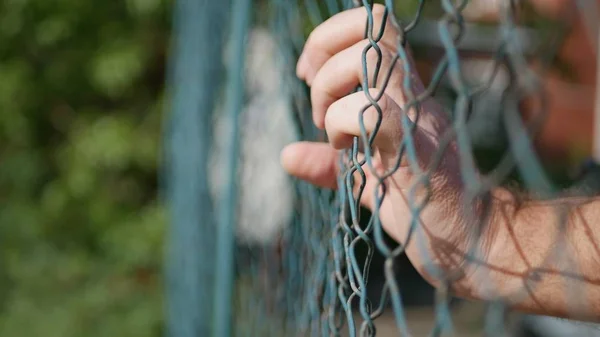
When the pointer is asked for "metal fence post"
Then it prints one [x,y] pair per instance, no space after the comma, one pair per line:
[195,70]
[224,278]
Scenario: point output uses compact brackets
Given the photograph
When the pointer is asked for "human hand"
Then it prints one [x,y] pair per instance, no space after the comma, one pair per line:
[331,64]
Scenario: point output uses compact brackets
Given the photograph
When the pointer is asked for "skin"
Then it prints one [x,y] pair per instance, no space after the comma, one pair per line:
[515,239]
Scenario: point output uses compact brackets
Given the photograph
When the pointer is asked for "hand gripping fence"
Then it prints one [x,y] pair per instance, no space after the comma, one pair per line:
[253,252]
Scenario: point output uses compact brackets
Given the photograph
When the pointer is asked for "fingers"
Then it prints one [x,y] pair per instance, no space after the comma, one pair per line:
[342,122]
[312,162]
[338,33]
[343,72]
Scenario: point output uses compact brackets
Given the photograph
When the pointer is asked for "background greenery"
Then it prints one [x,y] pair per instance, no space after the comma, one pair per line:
[80,110]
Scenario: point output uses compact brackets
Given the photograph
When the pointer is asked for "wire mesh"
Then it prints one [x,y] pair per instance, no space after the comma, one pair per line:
[303,255]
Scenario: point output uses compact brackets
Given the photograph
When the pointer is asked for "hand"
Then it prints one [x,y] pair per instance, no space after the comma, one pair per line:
[331,64]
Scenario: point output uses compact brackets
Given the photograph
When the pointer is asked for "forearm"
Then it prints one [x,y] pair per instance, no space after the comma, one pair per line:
[543,257]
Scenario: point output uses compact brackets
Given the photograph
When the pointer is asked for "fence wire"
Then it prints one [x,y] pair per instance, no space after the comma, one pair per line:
[303,256]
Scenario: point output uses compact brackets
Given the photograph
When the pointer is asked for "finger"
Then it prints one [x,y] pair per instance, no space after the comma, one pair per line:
[344,72]
[312,162]
[342,122]
[338,33]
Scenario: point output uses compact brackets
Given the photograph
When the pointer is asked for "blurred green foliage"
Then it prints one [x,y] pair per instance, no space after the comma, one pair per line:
[81,227]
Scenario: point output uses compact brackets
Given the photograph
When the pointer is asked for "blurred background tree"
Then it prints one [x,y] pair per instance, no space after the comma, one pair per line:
[80,113]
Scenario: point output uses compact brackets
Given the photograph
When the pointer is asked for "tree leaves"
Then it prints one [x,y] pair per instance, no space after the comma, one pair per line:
[81,226]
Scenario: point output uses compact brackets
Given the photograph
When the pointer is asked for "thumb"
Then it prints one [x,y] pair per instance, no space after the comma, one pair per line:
[312,162]
[317,163]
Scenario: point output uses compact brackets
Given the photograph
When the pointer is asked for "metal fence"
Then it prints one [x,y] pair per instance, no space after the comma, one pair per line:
[253,252]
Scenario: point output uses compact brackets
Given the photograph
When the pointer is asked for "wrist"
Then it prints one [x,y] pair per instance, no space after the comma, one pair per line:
[458,239]
[486,276]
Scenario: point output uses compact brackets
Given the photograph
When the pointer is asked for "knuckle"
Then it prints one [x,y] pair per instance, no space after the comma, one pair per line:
[369,117]
[320,91]
[328,120]
[373,57]
[385,55]
[383,102]
[388,50]
[378,11]
[385,61]
[385,105]
[372,114]
[315,90]
[312,41]
[333,133]
[331,112]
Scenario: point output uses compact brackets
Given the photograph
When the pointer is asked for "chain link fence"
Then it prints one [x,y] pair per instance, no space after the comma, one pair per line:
[254,252]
